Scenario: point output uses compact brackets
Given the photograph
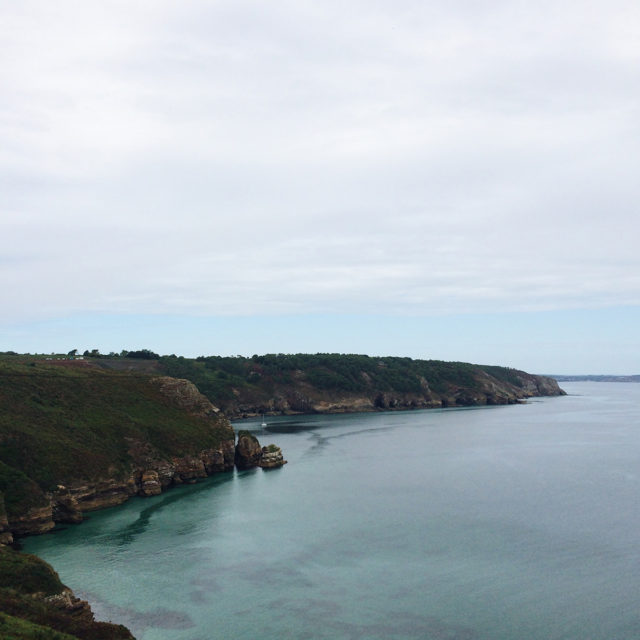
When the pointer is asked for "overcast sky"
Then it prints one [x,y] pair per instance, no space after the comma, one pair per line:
[433,179]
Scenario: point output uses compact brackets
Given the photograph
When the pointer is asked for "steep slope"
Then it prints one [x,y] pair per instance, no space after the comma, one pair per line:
[34,604]
[77,439]
[333,383]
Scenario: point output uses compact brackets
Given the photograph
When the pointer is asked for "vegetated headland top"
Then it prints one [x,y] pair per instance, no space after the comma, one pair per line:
[322,382]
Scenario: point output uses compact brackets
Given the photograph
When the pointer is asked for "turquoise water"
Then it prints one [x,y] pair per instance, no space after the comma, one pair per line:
[514,522]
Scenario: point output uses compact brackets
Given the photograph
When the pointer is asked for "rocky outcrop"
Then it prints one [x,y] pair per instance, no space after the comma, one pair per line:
[35,520]
[100,493]
[539,385]
[65,508]
[150,484]
[272,457]
[249,453]
[185,394]
[67,602]
[179,469]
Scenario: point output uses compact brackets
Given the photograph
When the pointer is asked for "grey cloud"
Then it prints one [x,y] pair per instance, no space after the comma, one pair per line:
[309,158]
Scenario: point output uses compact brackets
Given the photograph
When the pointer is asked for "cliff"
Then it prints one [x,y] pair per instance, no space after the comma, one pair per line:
[35,604]
[75,440]
[335,383]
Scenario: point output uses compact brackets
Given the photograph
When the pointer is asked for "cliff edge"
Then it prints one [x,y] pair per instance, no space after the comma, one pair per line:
[338,383]
[35,604]
[73,441]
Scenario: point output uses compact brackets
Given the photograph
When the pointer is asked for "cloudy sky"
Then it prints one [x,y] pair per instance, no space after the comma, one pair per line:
[456,180]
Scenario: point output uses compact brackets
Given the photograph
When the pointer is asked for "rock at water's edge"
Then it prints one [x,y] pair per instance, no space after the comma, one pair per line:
[248,451]
[250,454]
[272,457]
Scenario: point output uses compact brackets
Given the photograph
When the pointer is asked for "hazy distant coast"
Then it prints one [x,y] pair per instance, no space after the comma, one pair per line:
[596,378]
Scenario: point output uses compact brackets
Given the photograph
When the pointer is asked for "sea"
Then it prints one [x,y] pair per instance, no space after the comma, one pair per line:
[516,522]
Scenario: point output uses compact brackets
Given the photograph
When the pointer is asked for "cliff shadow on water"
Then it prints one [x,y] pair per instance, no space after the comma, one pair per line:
[155,505]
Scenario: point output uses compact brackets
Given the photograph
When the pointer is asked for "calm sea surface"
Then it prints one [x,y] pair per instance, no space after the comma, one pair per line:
[514,522]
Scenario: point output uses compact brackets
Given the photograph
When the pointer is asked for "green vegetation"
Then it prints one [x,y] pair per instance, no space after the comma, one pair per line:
[19,491]
[143,354]
[225,379]
[354,373]
[25,583]
[297,382]
[27,574]
[63,423]
[12,628]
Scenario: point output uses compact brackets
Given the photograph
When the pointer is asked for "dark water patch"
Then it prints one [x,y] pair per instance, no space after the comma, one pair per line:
[325,619]
[156,504]
[269,574]
[200,597]
[140,621]
[209,584]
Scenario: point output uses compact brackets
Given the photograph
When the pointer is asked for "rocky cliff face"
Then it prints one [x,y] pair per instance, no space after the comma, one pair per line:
[148,469]
[31,593]
[272,457]
[334,383]
[486,390]
[149,475]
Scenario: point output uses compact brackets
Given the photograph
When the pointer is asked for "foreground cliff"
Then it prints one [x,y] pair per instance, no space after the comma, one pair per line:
[35,605]
[76,440]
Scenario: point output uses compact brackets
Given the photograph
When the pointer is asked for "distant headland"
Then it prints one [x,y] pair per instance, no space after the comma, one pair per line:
[595,378]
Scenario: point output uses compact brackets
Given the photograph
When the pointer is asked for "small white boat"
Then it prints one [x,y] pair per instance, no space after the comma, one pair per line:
[264,424]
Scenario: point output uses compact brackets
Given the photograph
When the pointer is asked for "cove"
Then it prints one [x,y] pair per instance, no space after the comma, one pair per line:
[493,523]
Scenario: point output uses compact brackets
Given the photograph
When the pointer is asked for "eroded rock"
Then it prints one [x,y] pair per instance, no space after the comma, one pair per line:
[248,451]
[250,454]
[272,457]
[150,484]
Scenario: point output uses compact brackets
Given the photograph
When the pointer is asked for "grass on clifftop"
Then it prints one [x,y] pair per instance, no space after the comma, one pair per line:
[27,574]
[58,424]
[223,379]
